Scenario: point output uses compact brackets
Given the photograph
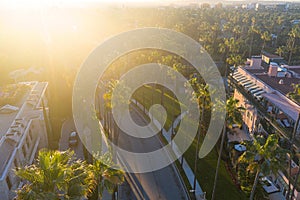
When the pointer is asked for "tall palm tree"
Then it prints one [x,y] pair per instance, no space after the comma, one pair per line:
[201,95]
[55,176]
[233,116]
[119,105]
[292,141]
[293,35]
[264,156]
[251,32]
[107,97]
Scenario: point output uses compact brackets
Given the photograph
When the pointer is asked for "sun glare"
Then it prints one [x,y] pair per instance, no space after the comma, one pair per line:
[38,4]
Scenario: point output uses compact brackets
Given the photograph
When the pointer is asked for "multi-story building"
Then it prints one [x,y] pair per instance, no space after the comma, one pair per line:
[23,130]
[262,86]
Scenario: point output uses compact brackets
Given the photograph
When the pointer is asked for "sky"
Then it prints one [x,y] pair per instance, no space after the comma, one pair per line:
[42,3]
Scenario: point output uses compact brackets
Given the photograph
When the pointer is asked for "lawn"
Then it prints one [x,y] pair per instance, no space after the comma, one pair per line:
[226,189]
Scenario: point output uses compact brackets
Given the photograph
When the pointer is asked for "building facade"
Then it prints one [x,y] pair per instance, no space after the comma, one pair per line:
[24,133]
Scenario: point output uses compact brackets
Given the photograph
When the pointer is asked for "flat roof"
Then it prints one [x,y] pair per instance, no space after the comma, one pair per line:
[255,71]
[17,122]
[273,82]
[271,55]
[6,120]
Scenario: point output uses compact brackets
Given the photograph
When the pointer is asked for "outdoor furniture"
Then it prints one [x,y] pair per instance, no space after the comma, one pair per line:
[286,123]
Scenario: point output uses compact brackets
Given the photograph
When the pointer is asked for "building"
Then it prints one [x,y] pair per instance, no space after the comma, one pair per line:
[267,58]
[262,87]
[23,130]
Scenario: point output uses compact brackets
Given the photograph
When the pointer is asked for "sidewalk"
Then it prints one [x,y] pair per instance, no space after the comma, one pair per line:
[200,195]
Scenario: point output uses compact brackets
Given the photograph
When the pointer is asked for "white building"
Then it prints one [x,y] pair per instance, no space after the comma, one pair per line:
[22,132]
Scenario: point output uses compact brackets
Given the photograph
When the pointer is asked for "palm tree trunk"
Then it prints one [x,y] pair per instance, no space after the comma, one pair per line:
[290,175]
[251,45]
[197,149]
[254,185]
[291,52]
[290,157]
[295,184]
[290,161]
[219,161]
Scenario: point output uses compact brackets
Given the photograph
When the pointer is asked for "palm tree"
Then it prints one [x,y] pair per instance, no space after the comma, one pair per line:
[58,175]
[251,31]
[295,183]
[293,35]
[280,51]
[106,173]
[120,105]
[55,176]
[234,60]
[263,156]
[201,95]
[107,97]
[265,36]
[292,141]
[233,116]
[295,95]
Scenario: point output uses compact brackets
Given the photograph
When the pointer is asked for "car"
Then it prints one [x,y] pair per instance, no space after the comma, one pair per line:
[73,138]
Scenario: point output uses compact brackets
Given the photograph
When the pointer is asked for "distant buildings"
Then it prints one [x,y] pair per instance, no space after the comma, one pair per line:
[23,130]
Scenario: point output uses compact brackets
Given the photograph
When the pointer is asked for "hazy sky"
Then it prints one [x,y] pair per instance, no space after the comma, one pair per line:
[37,3]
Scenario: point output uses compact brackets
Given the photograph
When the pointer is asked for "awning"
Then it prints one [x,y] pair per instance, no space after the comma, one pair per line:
[289,108]
[256,90]
[249,86]
[253,88]
[245,81]
[259,97]
[258,93]
[238,75]
[241,79]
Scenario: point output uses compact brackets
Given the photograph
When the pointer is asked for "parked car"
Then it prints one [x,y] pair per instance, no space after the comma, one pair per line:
[73,138]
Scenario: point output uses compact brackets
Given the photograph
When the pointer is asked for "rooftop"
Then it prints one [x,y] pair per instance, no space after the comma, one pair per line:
[255,71]
[273,82]
[269,55]
[6,119]
[13,125]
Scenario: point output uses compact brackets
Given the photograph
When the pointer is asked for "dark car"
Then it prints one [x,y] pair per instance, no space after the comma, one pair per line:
[73,138]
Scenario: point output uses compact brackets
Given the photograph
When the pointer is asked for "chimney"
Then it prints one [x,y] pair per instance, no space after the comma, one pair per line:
[255,62]
[273,70]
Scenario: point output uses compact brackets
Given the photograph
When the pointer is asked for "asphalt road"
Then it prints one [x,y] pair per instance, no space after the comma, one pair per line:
[68,127]
[157,185]
[163,184]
